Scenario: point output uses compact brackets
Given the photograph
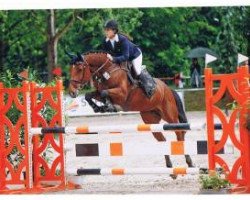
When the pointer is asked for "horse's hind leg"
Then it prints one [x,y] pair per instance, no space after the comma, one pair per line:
[154,117]
[173,112]
[180,135]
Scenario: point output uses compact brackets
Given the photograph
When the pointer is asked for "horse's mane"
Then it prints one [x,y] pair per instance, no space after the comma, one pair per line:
[95,51]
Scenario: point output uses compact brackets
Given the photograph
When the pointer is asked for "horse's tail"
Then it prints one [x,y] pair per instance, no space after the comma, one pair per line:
[181,113]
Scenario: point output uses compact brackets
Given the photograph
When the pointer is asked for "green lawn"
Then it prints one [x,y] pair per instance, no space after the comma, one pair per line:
[195,101]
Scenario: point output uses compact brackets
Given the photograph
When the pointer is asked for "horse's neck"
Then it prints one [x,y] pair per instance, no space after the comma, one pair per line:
[106,65]
[101,64]
[95,61]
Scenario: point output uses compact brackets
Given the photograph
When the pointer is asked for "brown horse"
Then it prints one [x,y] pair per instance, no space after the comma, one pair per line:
[114,88]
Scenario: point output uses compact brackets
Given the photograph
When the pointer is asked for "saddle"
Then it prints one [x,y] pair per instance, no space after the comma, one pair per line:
[132,77]
[144,81]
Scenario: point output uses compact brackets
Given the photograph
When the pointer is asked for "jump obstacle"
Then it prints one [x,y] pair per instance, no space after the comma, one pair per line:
[36,139]
[117,128]
[133,171]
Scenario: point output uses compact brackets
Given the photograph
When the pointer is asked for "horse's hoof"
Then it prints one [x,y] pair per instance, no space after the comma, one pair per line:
[173,176]
[110,108]
[96,109]
[102,109]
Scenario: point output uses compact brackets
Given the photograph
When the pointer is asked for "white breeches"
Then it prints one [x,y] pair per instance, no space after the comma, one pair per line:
[137,64]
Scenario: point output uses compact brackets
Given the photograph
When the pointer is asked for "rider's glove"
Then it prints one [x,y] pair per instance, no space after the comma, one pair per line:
[110,57]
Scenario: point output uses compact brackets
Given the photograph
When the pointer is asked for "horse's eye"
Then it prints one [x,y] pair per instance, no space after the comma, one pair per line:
[80,67]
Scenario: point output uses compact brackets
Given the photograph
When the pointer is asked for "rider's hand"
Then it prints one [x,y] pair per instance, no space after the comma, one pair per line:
[110,57]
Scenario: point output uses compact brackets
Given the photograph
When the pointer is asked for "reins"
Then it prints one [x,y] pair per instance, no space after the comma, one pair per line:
[100,68]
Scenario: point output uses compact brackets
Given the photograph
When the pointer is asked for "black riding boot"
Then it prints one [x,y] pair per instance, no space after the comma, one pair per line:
[147,83]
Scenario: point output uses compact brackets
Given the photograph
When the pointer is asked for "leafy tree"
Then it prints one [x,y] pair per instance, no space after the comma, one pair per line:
[54,33]
[38,38]
[21,43]
[230,39]
[167,34]
[246,28]
[87,32]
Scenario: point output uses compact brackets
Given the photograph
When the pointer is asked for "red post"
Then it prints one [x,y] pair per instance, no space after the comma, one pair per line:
[210,119]
[244,90]
[56,143]
[59,89]
[27,149]
[2,143]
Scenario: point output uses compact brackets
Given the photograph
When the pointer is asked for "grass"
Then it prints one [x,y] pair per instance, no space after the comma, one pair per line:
[195,101]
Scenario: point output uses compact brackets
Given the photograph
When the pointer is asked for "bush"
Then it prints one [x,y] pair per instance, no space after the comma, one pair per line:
[213,182]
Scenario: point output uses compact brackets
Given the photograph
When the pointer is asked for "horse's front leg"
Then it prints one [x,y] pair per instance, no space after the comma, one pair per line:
[113,96]
[89,98]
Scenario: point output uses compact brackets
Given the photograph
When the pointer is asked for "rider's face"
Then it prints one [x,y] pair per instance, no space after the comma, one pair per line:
[109,33]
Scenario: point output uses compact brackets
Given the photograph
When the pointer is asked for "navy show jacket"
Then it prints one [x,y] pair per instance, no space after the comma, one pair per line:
[124,49]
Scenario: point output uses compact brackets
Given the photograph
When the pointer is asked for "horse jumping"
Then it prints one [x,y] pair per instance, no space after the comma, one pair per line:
[114,89]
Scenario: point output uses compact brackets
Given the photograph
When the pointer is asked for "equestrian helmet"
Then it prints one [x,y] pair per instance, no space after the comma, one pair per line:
[111,24]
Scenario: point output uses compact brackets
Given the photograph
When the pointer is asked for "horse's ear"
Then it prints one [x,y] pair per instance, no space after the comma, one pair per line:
[71,55]
[80,57]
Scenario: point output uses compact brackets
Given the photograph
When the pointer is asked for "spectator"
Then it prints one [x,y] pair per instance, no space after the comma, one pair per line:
[195,71]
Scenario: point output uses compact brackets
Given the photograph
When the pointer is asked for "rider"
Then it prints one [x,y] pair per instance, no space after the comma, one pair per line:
[121,49]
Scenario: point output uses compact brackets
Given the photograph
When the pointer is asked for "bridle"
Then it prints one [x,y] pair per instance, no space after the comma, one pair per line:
[103,65]
[86,64]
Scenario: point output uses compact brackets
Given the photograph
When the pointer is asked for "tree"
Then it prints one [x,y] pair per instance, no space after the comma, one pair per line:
[3,16]
[22,40]
[165,39]
[53,36]
[38,38]
[246,28]
[87,32]
[230,39]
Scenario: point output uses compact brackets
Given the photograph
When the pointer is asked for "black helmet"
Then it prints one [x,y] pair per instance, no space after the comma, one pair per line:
[111,24]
